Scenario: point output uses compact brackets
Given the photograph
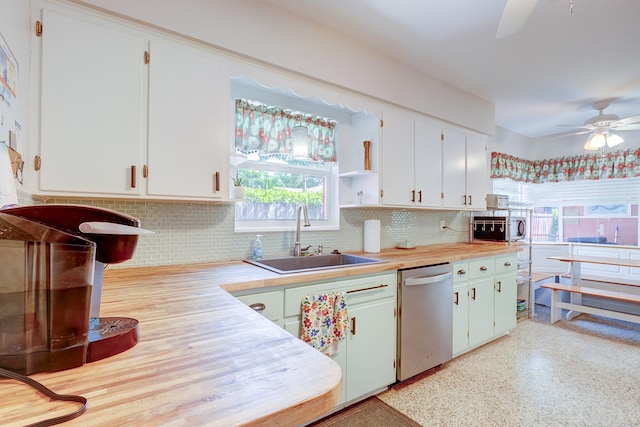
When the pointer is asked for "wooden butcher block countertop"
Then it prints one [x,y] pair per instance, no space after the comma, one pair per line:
[203,357]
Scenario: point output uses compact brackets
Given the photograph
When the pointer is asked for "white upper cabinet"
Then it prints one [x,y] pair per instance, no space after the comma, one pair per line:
[125,112]
[189,139]
[398,158]
[92,107]
[427,165]
[464,170]
[477,173]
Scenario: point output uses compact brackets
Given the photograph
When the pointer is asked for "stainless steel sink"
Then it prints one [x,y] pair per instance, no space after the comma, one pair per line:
[298,264]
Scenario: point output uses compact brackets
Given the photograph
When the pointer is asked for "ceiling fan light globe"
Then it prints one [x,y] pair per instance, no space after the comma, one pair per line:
[614,139]
[595,141]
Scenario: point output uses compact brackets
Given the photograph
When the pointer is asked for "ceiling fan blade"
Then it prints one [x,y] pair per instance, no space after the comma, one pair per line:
[632,126]
[564,135]
[627,121]
[514,16]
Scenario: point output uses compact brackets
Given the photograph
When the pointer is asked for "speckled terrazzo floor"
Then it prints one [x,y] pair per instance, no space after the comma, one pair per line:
[585,372]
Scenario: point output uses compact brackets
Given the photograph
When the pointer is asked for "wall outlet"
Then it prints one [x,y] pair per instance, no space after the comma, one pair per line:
[443,225]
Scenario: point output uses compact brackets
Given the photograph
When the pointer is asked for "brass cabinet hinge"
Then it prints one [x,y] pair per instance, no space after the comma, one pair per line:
[38,28]
[381,123]
[147,57]
[37,162]
[441,136]
[381,193]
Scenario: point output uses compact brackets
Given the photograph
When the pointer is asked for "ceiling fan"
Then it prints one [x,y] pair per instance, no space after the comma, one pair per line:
[602,126]
[515,15]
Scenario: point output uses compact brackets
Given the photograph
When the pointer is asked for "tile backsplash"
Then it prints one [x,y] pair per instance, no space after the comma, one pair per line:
[188,233]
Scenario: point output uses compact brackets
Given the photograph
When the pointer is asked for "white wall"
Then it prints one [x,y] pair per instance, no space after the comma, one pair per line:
[259,30]
[15,25]
[544,148]
[506,141]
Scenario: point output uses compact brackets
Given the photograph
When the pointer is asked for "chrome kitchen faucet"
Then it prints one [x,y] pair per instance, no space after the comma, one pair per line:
[303,209]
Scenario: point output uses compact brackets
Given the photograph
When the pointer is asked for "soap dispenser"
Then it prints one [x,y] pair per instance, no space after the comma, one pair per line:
[257,248]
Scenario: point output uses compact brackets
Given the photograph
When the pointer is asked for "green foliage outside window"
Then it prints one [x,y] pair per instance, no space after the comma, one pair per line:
[282,195]
[282,188]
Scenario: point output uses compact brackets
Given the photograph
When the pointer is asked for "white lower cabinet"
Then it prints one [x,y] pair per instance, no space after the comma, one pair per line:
[481,307]
[484,300]
[371,349]
[367,356]
[506,293]
[460,316]
[269,304]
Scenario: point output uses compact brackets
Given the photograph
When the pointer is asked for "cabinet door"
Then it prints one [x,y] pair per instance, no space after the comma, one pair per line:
[189,105]
[428,164]
[397,158]
[371,348]
[480,311]
[92,106]
[506,291]
[477,177]
[460,318]
[454,170]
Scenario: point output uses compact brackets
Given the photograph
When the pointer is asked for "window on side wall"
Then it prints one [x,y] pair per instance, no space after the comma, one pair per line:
[581,211]
[288,159]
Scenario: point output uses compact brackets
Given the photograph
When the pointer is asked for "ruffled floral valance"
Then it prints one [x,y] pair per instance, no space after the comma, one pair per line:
[619,164]
[269,131]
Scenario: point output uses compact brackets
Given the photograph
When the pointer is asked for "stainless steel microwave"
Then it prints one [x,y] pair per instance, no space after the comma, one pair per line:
[499,228]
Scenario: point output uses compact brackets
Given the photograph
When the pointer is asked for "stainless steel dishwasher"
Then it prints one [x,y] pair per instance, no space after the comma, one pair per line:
[425,327]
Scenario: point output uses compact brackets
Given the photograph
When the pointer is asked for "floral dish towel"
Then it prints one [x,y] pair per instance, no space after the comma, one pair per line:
[325,321]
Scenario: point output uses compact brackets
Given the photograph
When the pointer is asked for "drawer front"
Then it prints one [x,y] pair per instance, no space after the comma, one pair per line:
[358,291]
[460,272]
[269,304]
[482,267]
[506,264]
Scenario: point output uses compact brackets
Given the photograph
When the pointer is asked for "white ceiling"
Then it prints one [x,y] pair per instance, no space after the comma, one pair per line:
[547,74]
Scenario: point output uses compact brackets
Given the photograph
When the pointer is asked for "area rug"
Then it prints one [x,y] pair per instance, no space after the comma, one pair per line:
[371,412]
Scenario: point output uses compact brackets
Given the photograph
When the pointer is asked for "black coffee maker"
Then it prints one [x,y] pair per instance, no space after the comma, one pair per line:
[51,262]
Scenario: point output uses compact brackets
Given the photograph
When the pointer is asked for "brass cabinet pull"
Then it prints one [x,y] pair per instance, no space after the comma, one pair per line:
[353,326]
[217,181]
[258,306]
[381,285]
[465,200]
[483,268]
[413,195]
[133,176]
[499,283]
[145,171]
[507,264]
[461,272]
[456,302]
[470,201]
[37,162]
[473,293]
[420,196]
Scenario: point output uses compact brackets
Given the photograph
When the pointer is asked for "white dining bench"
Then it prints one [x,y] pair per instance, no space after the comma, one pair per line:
[626,291]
